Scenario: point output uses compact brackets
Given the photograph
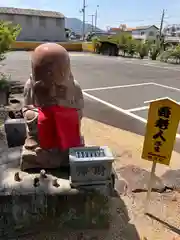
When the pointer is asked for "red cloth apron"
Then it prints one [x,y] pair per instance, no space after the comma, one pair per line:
[58,127]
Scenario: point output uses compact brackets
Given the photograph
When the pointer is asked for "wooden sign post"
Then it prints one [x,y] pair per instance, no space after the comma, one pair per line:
[162,124]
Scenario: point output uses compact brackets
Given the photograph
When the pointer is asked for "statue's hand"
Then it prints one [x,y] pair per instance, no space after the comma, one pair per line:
[31,118]
[30,115]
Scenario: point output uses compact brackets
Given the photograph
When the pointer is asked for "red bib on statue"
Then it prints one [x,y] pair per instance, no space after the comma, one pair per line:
[58,127]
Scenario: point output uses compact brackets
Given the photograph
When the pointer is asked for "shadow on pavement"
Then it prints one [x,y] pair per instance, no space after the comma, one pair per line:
[174,229]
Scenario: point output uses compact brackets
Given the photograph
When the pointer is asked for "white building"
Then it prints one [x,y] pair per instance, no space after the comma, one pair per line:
[146,33]
[172,33]
[140,33]
[37,25]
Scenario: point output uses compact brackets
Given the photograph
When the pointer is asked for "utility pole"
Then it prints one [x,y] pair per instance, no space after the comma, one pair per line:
[161,26]
[96,14]
[92,21]
[84,18]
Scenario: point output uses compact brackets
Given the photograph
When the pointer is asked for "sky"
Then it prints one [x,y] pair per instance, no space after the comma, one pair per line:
[111,13]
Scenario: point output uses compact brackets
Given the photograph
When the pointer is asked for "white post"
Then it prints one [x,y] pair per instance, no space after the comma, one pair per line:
[150,185]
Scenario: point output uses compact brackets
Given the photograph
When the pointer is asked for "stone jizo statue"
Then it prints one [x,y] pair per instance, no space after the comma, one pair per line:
[53,104]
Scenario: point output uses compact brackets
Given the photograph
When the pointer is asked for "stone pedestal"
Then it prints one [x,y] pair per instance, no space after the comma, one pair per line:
[82,210]
[3,139]
[4,96]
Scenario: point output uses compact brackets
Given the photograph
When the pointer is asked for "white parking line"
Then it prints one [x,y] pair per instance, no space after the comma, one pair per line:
[115,107]
[119,86]
[137,109]
[149,101]
[132,85]
[165,86]
[162,67]
[126,112]
[150,64]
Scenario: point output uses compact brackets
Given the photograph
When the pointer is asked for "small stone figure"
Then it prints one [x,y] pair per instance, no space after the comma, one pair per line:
[55,183]
[17,177]
[43,174]
[36,182]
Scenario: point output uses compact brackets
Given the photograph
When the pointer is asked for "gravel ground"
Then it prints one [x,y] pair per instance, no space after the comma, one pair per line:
[164,221]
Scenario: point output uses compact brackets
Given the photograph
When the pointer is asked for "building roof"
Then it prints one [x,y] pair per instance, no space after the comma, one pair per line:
[30,12]
[130,29]
[144,27]
[133,29]
[115,29]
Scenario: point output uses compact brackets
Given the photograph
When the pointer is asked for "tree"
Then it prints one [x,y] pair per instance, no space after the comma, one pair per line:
[89,36]
[132,46]
[155,50]
[142,49]
[124,42]
[8,34]
[96,44]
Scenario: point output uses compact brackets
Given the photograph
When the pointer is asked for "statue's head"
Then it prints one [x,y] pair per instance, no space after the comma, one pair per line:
[51,72]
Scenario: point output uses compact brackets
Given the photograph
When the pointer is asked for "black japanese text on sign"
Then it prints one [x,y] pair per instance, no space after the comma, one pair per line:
[162,124]
[163,119]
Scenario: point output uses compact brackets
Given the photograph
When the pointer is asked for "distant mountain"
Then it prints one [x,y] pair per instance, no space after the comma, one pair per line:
[76,24]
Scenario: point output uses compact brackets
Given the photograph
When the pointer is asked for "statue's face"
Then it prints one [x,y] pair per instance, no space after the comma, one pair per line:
[51,72]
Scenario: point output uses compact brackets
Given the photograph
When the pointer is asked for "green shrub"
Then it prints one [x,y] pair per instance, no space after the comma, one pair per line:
[171,54]
[125,44]
[154,51]
[4,81]
[176,54]
[95,44]
[166,55]
[131,47]
[142,49]
[8,34]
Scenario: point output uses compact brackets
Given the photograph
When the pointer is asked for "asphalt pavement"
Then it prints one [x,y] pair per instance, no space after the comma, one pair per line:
[117,90]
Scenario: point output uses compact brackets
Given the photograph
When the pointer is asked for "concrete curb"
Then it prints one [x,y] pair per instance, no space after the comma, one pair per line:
[70,46]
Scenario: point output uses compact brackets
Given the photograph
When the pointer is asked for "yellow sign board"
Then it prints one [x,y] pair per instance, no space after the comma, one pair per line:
[163,120]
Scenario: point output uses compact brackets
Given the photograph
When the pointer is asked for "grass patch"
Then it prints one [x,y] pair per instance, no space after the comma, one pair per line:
[4,81]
